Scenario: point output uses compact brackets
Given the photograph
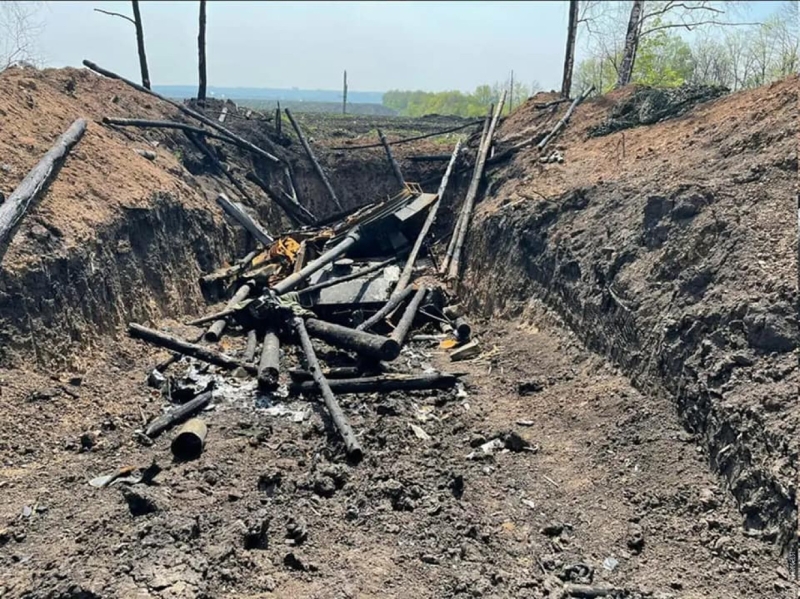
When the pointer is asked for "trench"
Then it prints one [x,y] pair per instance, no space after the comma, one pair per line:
[146,265]
[515,256]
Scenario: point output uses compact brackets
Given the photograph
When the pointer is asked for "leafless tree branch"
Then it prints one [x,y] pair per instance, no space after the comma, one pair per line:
[115,14]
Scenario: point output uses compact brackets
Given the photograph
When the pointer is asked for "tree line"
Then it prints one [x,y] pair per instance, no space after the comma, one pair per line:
[457,103]
[647,47]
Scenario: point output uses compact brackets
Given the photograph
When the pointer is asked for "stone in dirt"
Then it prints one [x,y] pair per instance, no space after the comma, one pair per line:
[296,562]
[530,386]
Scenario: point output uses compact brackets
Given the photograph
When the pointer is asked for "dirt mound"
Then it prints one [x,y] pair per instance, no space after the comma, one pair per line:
[671,248]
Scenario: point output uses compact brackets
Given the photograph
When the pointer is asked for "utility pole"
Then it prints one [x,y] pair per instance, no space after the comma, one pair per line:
[344,94]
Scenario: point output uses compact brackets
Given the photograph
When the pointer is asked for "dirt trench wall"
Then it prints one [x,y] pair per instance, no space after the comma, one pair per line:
[145,265]
[651,294]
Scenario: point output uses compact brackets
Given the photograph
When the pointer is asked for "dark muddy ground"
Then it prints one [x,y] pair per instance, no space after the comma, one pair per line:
[609,478]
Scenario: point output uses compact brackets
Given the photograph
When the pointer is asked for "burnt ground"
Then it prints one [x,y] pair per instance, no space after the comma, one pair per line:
[611,475]
[617,485]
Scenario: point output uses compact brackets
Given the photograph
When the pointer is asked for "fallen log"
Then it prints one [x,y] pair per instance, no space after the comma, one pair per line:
[352,446]
[178,414]
[15,205]
[269,365]
[185,348]
[337,372]
[349,277]
[543,105]
[393,302]
[215,331]
[250,348]
[451,245]
[365,344]
[381,384]
[472,193]
[402,328]
[201,145]
[162,366]
[313,158]
[236,212]
[294,279]
[392,162]
[585,591]
[565,119]
[184,109]
[148,124]
[409,139]
[429,158]
[405,276]
[296,213]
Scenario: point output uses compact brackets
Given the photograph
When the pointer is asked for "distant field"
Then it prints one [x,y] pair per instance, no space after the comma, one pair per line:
[319,107]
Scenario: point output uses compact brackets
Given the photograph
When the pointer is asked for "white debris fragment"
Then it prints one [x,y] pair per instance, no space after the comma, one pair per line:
[421,434]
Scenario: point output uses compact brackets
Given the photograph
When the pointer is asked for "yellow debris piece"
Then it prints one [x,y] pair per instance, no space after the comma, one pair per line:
[448,344]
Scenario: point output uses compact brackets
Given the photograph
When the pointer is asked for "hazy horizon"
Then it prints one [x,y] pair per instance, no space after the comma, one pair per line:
[431,46]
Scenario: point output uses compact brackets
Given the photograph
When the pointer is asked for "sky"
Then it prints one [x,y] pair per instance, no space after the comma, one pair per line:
[383,45]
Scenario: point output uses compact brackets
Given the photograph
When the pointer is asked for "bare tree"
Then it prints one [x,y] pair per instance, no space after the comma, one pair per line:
[631,43]
[652,16]
[137,23]
[19,29]
[569,55]
[344,94]
[201,53]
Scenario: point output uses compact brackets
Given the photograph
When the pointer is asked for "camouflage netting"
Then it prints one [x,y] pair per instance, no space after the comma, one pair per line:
[649,105]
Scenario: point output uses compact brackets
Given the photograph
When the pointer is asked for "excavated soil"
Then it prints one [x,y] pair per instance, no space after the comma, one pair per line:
[670,249]
[635,306]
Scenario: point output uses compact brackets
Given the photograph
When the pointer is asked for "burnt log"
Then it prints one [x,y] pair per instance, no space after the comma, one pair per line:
[186,110]
[332,254]
[365,344]
[250,348]
[294,211]
[185,348]
[472,192]
[402,328]
[393,302]
[337,372]
[215,331]
[269,365]
[237,213]
[405,276]
[429,158]
[392,162]
[565,119]
[313,158]
[15,205]
[381,384]
[178,414]
[352,446]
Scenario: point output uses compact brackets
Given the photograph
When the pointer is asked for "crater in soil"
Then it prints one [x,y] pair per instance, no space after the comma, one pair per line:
[635,306]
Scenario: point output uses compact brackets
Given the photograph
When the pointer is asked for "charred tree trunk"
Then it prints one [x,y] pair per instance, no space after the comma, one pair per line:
[394,301]
[137,21]
[201,54]
[214,332]
[236,212]
[569,56]
[631,44]
[368,345]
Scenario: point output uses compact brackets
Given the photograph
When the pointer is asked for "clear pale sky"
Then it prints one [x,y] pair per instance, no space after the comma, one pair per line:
[383,45]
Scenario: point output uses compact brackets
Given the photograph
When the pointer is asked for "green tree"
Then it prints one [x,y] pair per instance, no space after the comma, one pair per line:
[662,60]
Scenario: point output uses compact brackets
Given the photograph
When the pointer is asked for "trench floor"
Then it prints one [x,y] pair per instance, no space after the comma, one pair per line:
[612,491]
